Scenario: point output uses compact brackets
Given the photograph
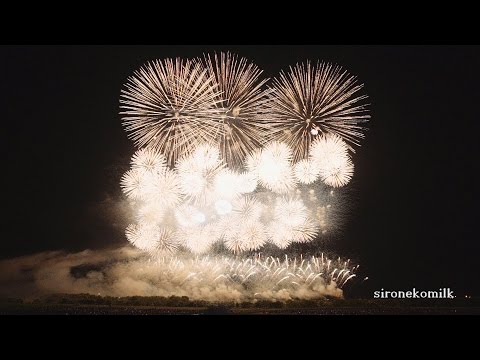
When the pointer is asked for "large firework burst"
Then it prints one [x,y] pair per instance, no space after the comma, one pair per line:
[170,105]
[198,122]
[310,100]
[243,124]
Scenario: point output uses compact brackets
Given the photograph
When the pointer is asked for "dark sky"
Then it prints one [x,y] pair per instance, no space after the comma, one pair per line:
[415,182]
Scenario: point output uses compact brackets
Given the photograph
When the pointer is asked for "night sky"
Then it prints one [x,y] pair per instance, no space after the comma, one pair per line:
[414,188]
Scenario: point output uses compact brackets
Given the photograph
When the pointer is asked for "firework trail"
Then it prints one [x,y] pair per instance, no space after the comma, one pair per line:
[264,277]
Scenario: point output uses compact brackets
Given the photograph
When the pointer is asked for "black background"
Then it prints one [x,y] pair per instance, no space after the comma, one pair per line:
[415,175]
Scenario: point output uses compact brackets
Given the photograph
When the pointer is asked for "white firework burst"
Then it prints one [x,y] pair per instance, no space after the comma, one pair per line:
[329,154]
[280,234]
[133,183]
[249,236]
[197,173]
[306,171]
[311,100]
[326,147]
[272,167]
[247,209]
[162,187]
[247,182]
[143,236]
[206,156]
[306,231]
[243,124]
[253,235]
[290,211]
[150,159]
[223,207]
[337,172]
[170,105]
[166,244]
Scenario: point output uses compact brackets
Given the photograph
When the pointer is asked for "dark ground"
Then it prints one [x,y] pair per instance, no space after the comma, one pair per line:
[85,304]
[146,310]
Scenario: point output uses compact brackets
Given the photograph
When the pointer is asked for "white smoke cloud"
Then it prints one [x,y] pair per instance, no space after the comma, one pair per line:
[126,271]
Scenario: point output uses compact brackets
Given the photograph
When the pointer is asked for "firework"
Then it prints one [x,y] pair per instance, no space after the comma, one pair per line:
[163,188]
[149,159]
[247,182]
[197,173]
[329,155]
[202,201]
[243,124]
[280,235]
[249,236]
[143,236]
[259,276]
[306,231]
[306,171]
[228,184]
[272,166]
[133,183]
[327,147]
[312,100]
[290,211]
[189,216]
[337,172]
[248,208]
[223,160]
[166,242]
[170,105]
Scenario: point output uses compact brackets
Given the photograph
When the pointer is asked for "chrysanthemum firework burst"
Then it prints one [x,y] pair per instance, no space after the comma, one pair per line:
[243,124]
[170,105]
[310,100]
